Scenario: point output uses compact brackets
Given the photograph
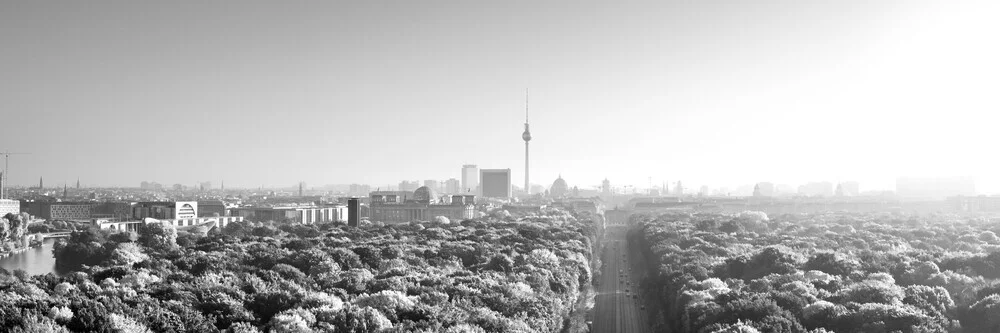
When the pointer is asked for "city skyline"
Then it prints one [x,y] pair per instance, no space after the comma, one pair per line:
[708,93]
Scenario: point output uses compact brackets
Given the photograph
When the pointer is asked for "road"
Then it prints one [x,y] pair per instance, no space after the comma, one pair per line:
[618,307]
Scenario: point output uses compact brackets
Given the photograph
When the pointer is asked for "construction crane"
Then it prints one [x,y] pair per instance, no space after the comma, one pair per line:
[5,176]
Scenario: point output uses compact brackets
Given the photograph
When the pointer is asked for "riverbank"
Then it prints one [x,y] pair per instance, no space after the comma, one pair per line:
[35,259]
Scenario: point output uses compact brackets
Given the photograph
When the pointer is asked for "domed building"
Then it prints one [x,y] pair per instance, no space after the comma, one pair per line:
[425,195]
[559,188]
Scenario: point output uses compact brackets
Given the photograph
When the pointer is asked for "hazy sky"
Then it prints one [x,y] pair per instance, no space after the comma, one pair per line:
[708,92]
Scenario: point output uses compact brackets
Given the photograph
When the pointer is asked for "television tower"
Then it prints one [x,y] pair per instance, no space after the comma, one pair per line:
[527,137]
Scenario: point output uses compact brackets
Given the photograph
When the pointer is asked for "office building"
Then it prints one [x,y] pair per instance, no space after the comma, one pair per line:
[293,214]
[470,178]
[452,186]
[408,186]
[495,183]
[8,206]
[359,190]
[58,210]
[353,212]
[210,208]
[165,210]
[432,184]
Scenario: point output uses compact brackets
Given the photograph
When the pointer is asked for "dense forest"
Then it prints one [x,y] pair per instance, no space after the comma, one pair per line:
[822,273]
[498,274]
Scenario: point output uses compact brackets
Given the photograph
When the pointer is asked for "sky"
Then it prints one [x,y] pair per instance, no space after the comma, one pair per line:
[717,93]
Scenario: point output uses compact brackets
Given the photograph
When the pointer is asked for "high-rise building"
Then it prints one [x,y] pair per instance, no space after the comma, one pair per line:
[408,186]
[495,183]
[353,212]
[470,178]
[606,187]
[452,186]
[526,136]
[432,184]
[359,190]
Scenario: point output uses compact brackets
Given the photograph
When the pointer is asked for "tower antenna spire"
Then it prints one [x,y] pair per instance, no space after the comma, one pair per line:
[526,136]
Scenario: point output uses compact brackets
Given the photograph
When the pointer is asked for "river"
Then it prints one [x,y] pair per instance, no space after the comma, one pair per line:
[36,260]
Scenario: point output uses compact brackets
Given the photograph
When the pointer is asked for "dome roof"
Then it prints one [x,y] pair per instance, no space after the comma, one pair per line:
[559,188]
[424,194]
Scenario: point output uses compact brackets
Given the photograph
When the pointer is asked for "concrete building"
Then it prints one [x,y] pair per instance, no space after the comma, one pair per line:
[211,208]
[118,211]
[58,210]
[470,178]
[408,186]
[9,206]
[452,186]
[423,205]
[180,224]
[495,183]
[353,212]
[293,214]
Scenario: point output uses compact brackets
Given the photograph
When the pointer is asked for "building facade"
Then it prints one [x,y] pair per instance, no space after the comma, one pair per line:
[305,215]
[388,208]
[58,210]
[9,206]
[166,210]
[470,178]
[495,183]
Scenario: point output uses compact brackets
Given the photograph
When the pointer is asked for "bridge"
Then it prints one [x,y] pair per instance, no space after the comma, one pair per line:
[57,234]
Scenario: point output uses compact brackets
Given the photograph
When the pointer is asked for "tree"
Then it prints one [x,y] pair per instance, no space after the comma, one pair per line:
[158,236]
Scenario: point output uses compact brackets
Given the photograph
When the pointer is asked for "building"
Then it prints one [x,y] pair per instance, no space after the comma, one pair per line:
[980,203]
[605,186]
[210,208]
[294,214]
[359,190]
[58,210]
[763,189]
[353,212]
[433,184]
[817,189]
[408,186]
[422,205]
[495,183]
[934,188]
[118,211]
[470,178]
[452,186]
[165,210]
[849,189]
[559,188]
[9,206]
